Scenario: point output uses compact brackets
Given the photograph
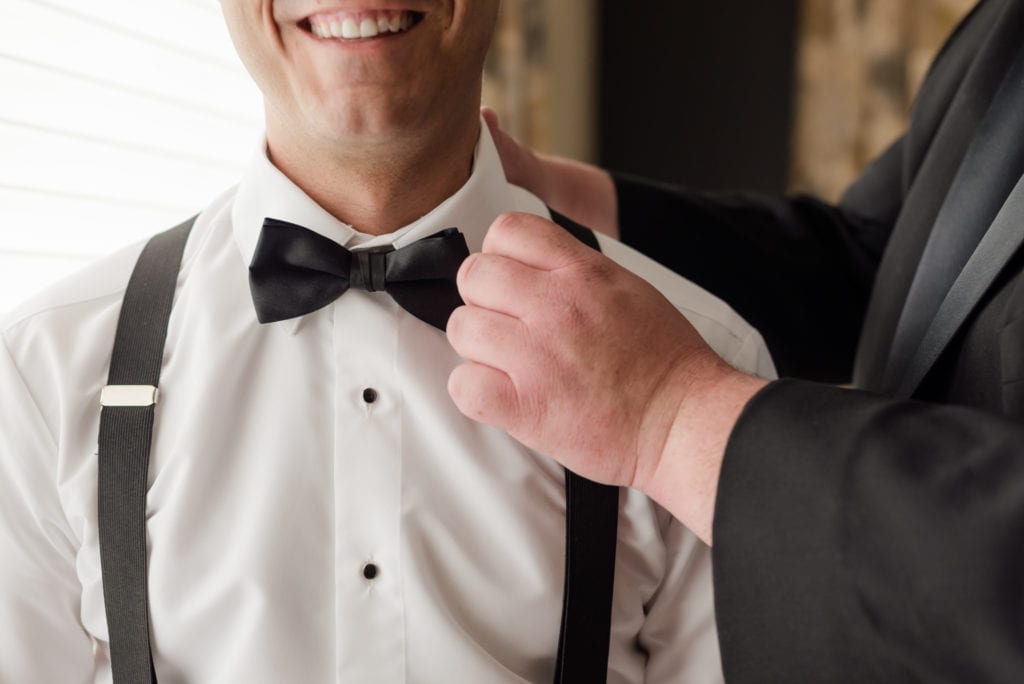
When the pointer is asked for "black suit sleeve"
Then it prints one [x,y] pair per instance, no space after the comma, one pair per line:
[862,539]
[798,269]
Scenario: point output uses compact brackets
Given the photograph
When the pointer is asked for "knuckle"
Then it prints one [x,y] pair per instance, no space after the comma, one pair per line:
[511,404]
[455,383]
[462,391]
[508,221]
[568,312]
[594,271]
[579,263]
[503,273]
[474,326]
[524,415]
[462,278]
[456,328]
[480,400]
[503,228]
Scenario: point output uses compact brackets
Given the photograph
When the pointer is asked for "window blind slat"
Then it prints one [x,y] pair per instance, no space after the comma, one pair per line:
[69,45]
[99,88]
[197,157]
[22,276]
[59,102]
[117,120]
[73,227]
[188,29]
[33,159]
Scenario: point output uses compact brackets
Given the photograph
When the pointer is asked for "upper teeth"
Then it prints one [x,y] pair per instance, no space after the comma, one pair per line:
[352,25]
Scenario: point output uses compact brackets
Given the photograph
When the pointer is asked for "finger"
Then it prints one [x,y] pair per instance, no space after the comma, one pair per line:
[515,160]
[508,149]
[534,241]
[501,284]
[484,394]
[491,117]
[485,336]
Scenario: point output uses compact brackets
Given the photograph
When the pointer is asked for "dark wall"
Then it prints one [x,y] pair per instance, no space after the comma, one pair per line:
[698,92]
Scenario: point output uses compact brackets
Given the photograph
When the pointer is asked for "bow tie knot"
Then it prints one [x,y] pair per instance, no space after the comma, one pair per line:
[367,270]
[295,271]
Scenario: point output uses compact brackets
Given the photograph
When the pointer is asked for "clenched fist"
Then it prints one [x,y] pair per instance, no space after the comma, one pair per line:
[580,359]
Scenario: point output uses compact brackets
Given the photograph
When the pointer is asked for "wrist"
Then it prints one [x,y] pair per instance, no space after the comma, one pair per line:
[682,475]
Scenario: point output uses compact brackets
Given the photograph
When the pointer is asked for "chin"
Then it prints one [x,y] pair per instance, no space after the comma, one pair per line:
[376,125]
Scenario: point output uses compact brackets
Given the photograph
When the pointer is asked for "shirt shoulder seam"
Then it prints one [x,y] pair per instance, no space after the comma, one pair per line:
[11,325]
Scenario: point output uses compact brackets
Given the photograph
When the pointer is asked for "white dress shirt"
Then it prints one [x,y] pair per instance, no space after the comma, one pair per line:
[272,482]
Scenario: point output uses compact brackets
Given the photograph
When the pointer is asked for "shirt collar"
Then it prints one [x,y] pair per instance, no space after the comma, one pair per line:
[266,192]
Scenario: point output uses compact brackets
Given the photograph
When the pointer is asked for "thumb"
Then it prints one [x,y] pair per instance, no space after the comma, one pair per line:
[521,165]
[491,117]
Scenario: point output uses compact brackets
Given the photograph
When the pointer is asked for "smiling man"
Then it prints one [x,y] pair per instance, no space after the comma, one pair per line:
[316,507]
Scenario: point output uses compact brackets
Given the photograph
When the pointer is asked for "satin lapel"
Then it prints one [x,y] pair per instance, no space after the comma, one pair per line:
[1003,239]
[947,112]
[991,167]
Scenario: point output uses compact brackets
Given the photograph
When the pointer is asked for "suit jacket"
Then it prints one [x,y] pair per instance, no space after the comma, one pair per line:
[877,534]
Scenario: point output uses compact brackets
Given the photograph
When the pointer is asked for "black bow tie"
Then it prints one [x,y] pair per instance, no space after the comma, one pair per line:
[295,271]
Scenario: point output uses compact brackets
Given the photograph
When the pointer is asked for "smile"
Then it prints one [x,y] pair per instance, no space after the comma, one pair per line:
[360,25]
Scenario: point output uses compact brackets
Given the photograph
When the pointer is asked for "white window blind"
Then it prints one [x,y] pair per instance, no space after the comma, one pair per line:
[117,119]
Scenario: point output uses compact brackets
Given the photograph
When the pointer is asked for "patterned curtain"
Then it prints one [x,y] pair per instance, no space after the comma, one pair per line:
[859,64]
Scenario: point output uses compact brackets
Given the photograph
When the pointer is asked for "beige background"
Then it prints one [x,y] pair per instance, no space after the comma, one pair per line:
[859,63]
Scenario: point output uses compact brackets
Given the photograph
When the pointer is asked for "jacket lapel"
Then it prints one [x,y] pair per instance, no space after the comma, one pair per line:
[948,110]
[990,170]
[1003,239]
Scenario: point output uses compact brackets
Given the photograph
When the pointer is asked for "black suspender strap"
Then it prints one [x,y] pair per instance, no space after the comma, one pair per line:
[591,519]
[126,429]
[591,527]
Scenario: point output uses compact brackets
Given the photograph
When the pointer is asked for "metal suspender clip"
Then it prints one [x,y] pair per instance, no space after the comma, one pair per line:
[129,395]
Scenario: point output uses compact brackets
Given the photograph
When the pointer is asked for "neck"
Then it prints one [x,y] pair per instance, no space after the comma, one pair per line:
[379,186]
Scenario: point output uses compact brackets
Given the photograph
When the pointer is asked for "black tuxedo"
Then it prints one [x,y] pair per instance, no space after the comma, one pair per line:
[877,534]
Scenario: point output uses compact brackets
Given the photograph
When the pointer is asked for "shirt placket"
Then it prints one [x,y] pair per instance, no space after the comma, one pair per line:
[367,485]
